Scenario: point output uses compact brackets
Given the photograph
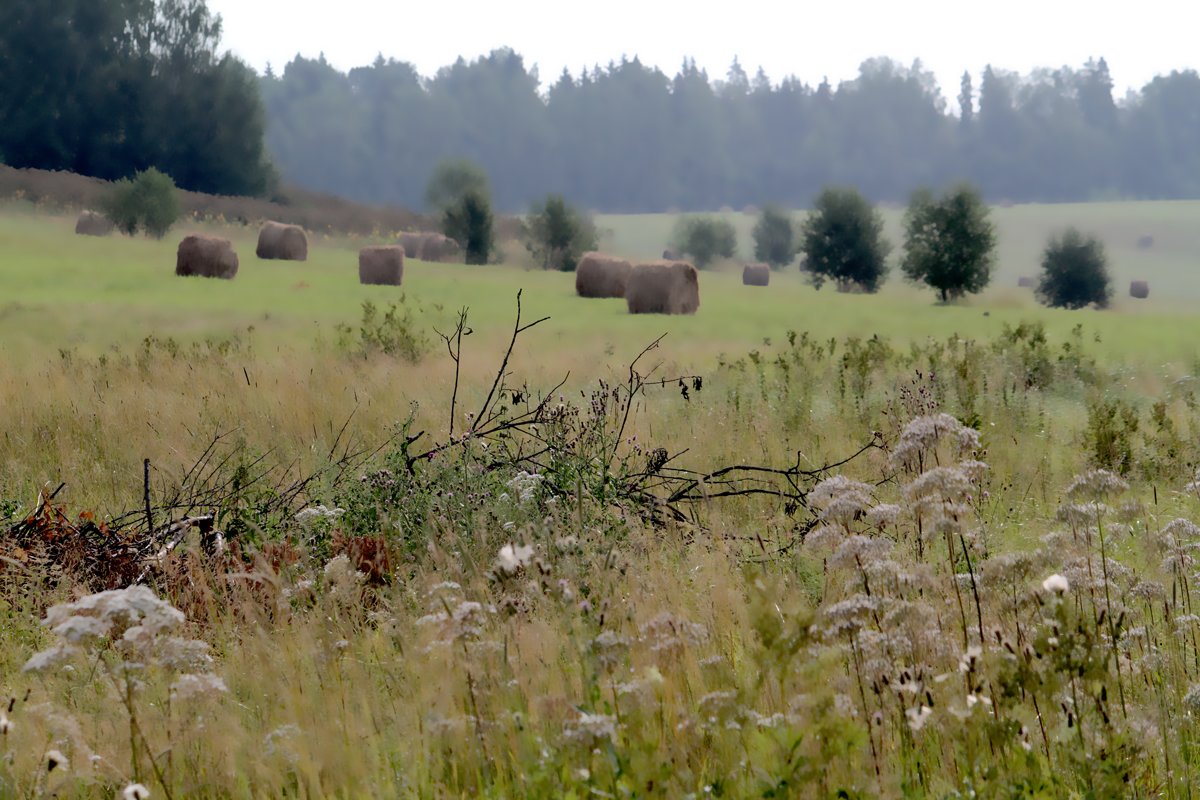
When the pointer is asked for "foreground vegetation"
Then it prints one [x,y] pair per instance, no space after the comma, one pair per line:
[776,556]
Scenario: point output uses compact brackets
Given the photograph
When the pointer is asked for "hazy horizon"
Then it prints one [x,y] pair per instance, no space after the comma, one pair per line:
[828,42]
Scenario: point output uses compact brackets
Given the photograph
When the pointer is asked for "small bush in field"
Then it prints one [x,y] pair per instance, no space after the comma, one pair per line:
[148,202]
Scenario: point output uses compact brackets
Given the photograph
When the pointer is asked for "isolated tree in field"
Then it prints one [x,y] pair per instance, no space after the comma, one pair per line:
[705,239]
[1074,272]
[774,237]
[148,202]
[469,222]
[842,241]
[557,233]
[949,242]
[453,180]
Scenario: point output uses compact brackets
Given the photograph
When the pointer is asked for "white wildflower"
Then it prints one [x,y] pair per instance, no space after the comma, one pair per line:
[50,658]
[1097,483]
[56,760]
[512,558]
[186,687]
[591,730]
[1057,584]
[135,791]
[5,724]
[525,485]
[309,517]
[969,659]
[917,717]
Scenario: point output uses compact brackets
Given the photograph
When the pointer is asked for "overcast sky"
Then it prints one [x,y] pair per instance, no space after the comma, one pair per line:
[809,40]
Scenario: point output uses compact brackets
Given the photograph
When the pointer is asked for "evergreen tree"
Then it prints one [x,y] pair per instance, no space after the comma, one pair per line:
[557,234]
[469,221]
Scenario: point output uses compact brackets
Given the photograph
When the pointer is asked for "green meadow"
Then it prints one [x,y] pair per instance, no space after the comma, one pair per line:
[63,291]
[815,545]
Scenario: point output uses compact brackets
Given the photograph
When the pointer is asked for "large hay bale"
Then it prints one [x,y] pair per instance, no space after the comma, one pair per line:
[663,287]
[1025,282]
[381,266]
[1139,289]
[91,223]
[756,275]
[206,257]
[277,241]
[600,275]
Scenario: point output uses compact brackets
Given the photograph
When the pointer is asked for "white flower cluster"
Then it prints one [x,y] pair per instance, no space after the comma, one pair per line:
[513,558]
[311,516]
[591,730]
[525,485]
[921,437]
[139,626]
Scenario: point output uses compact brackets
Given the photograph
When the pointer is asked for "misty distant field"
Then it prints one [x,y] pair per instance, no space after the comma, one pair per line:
[62,291]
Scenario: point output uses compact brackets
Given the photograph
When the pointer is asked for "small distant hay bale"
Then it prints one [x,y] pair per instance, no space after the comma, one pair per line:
[206,257]
[1145,242]
[280,242]
[1025,282]
[672,255]
[756,275]
[91,223]
[600,275]
[663,287]
[1139,289]
[430,247]
[381,266]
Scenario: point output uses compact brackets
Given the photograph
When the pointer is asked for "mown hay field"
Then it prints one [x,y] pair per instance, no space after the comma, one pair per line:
[63,291]
[814,545]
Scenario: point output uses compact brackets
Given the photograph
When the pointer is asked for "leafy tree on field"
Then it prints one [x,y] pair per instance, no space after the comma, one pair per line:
[557,234]
[469,222]
[454,180]
[949,242]
[774,237]
[149,202]
[1074,272]
[705,239]
[842,240]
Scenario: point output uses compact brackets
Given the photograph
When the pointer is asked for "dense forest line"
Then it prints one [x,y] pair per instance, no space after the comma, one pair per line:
[108,87]
[626,137]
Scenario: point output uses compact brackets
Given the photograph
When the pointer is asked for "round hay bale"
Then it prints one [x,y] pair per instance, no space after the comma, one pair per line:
[206,257]
[413,244]
[280,242]
[1145,242]
[1139,289]
[440,248]
[381,266]
[426,246]
[756,275]
[1025,282]
[600,275]
[672,255]
[663,287]
[91,223]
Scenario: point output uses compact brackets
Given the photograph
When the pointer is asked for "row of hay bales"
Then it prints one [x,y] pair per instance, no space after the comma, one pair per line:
[669,286]
[654,287]
[213,257]
[1139,290]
